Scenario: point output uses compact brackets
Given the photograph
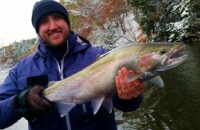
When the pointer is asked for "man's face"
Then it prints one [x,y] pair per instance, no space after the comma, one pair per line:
[54,30]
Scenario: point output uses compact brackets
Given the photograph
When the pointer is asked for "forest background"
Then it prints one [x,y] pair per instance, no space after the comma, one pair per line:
[111,23]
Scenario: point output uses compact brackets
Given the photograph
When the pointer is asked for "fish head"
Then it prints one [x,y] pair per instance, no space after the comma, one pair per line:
[162,56]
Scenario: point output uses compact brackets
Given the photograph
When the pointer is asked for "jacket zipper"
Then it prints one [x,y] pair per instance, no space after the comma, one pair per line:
[61,73]
[61,65]
[60,69]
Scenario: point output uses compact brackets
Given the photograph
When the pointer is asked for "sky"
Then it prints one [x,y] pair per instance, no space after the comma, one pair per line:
[15,21]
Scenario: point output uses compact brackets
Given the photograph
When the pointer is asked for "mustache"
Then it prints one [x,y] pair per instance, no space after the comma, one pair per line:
[54,31]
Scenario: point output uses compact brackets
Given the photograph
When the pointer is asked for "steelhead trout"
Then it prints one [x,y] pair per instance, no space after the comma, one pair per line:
[96,82]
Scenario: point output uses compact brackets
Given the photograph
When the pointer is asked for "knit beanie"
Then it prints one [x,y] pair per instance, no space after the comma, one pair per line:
[43,8]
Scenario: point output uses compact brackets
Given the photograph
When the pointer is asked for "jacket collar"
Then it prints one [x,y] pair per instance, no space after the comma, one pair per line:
[75,44]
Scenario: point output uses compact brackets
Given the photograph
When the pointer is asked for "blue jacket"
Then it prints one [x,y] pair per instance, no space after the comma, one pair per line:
[41,67]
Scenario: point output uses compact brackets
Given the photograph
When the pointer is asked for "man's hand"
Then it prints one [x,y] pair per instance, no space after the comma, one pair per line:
[31,104]
[35,101]
[127,90]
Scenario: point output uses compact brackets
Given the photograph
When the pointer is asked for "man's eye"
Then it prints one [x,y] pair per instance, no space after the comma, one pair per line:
[43,21]
[163,51]
[57,17]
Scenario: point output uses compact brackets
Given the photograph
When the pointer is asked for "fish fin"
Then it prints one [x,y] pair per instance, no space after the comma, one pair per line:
[108,104]
[51,83]
[96,104]
[157,81]
[64,108]
[99,56]
[149,75]
[131,77]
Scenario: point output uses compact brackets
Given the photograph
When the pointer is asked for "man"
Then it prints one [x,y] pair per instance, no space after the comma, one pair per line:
[60,54]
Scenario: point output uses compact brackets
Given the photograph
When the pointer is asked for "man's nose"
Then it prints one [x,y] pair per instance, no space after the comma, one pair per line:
[52,24]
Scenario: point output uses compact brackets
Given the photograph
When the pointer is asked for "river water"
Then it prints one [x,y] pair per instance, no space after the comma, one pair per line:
[174,107]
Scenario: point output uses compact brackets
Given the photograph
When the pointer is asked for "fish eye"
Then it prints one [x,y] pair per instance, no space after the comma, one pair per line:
[163,51]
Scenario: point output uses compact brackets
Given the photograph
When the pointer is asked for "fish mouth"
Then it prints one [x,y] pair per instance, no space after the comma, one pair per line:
[174,58]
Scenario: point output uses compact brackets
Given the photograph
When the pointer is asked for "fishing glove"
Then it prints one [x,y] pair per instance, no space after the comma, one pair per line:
[31,104]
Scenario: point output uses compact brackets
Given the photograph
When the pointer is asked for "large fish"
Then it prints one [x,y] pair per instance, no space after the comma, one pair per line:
[96,82]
